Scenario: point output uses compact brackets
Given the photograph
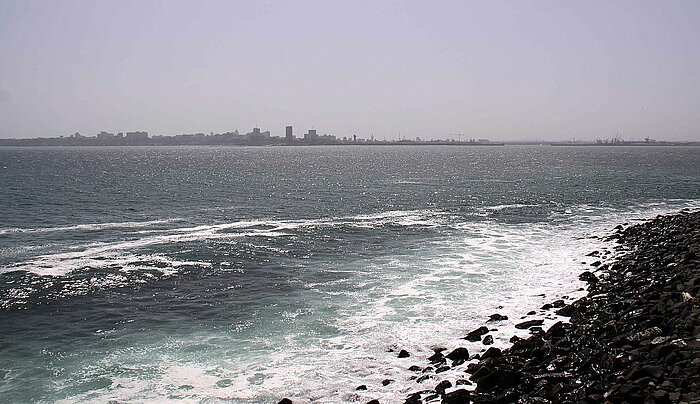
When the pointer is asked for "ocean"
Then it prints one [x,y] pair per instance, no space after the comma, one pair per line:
[249,274]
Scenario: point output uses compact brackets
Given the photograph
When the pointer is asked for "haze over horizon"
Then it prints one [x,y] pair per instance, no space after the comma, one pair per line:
[498,70]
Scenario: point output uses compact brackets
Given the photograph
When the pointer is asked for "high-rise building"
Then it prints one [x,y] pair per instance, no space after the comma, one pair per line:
[311,136]
[289,134]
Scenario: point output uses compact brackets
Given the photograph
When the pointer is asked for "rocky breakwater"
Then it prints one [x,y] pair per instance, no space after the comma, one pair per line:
[633,338]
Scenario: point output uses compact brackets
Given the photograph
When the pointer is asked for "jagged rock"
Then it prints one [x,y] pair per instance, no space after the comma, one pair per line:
[458,356]
[528,324]
[404,354]
[557,330]
[361,387]
[413,399]
[497,317]
[442,386]
[460,396]
[558,303]
[437,357]
[649,333]
[476,334]
[423,378]
[488,340]
[285,401]
[653,371]
[442,369]
[492,352]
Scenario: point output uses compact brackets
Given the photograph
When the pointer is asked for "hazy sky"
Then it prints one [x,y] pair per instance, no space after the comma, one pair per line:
[501,70]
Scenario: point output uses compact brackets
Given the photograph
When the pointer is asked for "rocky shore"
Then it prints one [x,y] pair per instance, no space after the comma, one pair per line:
[634,338]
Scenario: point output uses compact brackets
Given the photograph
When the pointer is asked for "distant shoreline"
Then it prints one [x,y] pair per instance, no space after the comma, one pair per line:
[37,143]
[23,143]
[617,144]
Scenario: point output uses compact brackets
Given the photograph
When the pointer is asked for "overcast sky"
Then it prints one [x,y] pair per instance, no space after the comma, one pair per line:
[499,70]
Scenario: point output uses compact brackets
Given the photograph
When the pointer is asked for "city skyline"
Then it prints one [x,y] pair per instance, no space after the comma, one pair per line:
[256,137]
[499,70]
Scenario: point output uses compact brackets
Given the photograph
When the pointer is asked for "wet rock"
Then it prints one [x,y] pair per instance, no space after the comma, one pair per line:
[373,402]
[648,333]
[476,334]
[488,340]
[386,382]
[404,354]
[653,371]
[442,386]
[413,399]
[415,368]
[492,352]
[588,277]
[558,303]
[497,378]
[458,356]
[442,369]
[361,387]
[557,330]
[423,378]
[285,401]
[497,317]
[460,396]
[528,324]
[437,357]
[472,368]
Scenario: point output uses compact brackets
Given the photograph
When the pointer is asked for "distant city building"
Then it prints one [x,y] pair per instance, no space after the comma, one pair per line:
[289,134]
[137,135]
[256,137]
[311,136]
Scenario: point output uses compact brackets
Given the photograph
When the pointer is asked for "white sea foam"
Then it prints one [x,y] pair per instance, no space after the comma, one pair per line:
[123,253]
[85,227]
[415,301]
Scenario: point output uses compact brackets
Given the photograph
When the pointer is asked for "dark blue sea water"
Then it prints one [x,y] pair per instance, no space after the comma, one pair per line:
[248,274]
